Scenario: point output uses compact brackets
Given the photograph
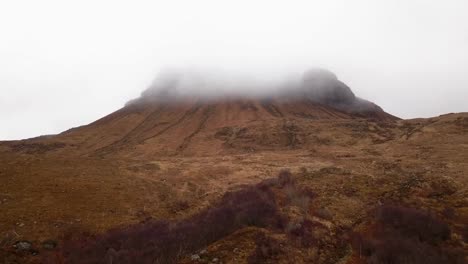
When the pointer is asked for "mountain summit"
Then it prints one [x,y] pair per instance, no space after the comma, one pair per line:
[189,113]
[318,86]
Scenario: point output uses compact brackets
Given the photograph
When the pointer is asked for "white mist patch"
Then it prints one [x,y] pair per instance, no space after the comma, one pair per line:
[214,83]
[316,85]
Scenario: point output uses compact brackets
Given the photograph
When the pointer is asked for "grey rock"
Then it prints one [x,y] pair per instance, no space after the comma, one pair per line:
[23,245]
[49,244]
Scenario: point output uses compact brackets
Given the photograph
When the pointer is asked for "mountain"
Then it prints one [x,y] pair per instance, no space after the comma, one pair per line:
[168,122]
[180,175]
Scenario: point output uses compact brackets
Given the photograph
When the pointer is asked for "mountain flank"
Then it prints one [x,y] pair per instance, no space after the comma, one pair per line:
[303,172]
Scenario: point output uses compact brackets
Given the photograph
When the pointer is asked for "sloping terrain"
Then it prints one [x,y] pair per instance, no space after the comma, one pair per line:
[188,161]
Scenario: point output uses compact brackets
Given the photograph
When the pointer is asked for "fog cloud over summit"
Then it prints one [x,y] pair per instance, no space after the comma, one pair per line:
[65,64]
[320,85]
[315,85]
[212,83]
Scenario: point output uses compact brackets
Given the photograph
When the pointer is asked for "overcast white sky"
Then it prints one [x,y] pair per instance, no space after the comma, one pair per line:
[67,63]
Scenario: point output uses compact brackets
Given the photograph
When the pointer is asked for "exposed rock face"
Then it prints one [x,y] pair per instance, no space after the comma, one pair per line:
[323,86]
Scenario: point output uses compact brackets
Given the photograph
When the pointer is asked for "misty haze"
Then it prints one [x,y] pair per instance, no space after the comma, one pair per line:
[234,132]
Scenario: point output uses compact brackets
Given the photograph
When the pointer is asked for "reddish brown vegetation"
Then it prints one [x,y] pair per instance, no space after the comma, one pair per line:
[164,242]
[414,223]
[304,233]
[406,235]
[285,178]
[267,248]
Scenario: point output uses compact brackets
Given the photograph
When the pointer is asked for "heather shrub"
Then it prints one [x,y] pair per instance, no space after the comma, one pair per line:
[323,213]
[406,235]
[165,242]
[179,205]
[449,213]
[297,198]
[464,233]
[266,248]
[285,178]
[305,232]
[396,248]
[413,223]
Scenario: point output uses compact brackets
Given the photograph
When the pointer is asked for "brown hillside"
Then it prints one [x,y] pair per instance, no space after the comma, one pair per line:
[198,127]
[187,160]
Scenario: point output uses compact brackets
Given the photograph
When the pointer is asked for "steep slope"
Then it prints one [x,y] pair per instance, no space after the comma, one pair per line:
[171,128]
[165,121]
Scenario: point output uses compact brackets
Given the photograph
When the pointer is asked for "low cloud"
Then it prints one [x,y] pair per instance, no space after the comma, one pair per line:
[317,85]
